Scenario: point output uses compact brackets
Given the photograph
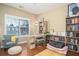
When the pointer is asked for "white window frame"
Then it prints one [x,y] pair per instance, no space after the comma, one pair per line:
[7,15]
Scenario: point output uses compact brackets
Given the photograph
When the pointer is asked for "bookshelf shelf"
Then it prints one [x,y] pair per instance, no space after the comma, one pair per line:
[72,24]
[72,33]
[72,17]
[74,51]
[72,37]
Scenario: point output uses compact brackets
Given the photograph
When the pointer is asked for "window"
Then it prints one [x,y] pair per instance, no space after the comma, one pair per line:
[24,27]
[16,25]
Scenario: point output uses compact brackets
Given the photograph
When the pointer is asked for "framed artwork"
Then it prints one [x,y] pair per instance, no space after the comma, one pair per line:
[73,9]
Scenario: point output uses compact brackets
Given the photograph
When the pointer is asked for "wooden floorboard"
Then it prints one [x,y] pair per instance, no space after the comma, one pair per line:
[37,50]
[26,51]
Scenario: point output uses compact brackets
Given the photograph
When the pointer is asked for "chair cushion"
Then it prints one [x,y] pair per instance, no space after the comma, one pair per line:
[9,43]
[56,44]
[52,43]
[59,45]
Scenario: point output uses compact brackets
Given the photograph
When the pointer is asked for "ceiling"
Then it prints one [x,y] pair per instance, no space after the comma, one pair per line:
[36,8]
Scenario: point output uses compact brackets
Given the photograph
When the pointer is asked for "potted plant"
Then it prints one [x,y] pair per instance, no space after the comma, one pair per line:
[46,33]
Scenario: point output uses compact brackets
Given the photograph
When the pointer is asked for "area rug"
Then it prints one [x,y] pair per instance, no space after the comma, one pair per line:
[48,52]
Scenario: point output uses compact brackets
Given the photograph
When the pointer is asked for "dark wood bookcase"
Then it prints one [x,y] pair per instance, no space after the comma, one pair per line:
[72,33]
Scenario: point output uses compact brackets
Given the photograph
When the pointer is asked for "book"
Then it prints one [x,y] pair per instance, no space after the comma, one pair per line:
[68,40]
[71,34]
[70,47]
[76,41]
[73,21]
[77,27]
[67,34]
[73,27]
[72,41]
[77,34]
[75,47]
[76,20]
[78,48]
[68,21]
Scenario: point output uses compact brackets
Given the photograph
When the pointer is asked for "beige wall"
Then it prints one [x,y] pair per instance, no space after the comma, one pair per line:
[4,9]
[56,19]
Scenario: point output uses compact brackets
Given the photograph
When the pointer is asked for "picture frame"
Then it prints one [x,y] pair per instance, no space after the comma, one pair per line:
[73,9]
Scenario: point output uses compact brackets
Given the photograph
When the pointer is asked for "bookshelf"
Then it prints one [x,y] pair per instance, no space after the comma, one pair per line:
[43,27]
[72,33]
[55,38]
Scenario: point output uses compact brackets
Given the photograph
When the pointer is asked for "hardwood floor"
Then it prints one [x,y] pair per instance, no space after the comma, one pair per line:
[37,50]
[26,51]
[5,53]
[72,53]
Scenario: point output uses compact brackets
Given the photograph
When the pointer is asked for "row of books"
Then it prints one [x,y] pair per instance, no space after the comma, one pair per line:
[73,41]
[69,21]
[73,27]
[70,34]
[73,47]
[72,21]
